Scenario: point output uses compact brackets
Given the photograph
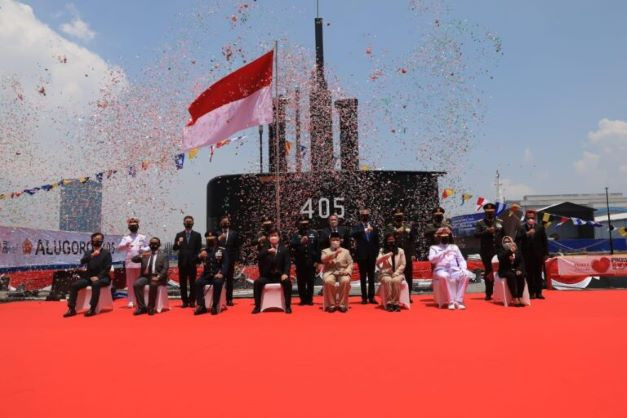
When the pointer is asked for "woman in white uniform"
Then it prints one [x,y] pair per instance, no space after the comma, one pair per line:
[133,244]
[449,265]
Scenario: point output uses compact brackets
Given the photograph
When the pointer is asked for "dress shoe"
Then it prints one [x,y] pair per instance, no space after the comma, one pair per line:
[192,305]
[288,310]
[389,308]
[214,310]
[488,298]
[540,296]
[397,308]
[229,303]
[151,311]
[372,301]
[139,311]
[461,306]
[200,310]
[330,309]
[90,312]
[301,303]
[130,305]
[310,303]
[256,310]
[451,306]
[70,312]
[343,309]
[185,305]
[364,302]
[532,296]
[411,300]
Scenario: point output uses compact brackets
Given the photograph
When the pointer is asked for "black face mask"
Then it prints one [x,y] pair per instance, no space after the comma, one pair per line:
[390,244]
[133,228]
[225,225]
[154,247]
[438,218]
[445,240]
[364,218]
[267,227]
[96,244]
[489,216]
[211,242]
[189,225]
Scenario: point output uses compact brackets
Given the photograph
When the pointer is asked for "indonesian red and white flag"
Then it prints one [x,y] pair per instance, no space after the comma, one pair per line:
[238,101]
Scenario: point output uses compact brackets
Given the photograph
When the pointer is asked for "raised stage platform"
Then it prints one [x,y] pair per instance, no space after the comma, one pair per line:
[564,356]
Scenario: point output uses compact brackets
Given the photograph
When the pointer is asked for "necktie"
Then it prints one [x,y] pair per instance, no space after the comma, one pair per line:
[149,266]
[187,236]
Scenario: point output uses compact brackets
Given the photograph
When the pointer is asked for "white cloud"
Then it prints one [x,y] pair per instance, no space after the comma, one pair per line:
[609,130]
[602,159]
[513,190]
[78,28]
[588,163]
[48,84]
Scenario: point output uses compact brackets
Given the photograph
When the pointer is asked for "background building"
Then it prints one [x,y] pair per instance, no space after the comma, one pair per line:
[81,206]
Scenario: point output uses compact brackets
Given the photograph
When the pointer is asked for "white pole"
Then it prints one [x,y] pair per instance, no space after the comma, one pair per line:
[276,135]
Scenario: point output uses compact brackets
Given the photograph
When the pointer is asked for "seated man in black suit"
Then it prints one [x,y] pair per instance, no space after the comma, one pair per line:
[98,263]
[275,268]
[154,273]
[217,264]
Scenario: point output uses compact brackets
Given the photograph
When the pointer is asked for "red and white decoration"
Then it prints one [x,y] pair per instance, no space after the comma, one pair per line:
[240,100]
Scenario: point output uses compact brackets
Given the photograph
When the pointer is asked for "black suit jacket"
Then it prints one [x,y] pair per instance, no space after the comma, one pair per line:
[345,237]
[214,264]
[535,247]
[98,266]
[505,265]
[231,244]
[366,249]
[274,265]
[305,254]
[188,252]
[162,265]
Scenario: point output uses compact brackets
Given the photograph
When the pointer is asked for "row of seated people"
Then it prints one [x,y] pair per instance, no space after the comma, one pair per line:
[274,263]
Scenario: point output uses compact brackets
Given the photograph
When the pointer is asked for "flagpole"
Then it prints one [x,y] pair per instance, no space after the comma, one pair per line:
[276,135]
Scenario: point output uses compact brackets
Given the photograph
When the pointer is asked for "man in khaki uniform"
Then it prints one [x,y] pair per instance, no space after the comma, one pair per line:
[338,266]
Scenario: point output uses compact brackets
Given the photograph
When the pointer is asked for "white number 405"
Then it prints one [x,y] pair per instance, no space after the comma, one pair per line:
[324,207]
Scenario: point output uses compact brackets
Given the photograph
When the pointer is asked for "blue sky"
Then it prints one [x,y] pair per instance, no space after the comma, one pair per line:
[553,105]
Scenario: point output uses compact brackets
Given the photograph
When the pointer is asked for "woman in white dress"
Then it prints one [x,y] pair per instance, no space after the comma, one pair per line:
[449,265]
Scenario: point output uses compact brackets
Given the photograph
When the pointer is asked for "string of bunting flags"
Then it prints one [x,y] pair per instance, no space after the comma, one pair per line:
[132,170]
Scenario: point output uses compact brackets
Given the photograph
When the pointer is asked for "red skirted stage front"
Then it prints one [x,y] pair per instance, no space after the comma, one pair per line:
[561,357]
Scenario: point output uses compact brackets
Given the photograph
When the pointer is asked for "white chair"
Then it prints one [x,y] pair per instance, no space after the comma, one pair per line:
[403,298]
[501,290]
[105,301]
[162,302]
[272,297]
[440,291]
[209,298]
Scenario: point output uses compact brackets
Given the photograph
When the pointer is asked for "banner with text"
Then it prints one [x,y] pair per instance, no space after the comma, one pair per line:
[26,248]
[589,265]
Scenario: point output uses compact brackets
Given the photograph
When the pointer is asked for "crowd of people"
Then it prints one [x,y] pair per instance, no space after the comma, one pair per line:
[520,247]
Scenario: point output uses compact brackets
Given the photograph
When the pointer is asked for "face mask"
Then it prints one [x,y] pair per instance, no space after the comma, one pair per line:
[335,245]
[154,247]
[133,228]
[489,215]
[390,244]
[274,240]
[445,240]
[267,227]
[399,219]
[225,225]
[507,245]
[364,218]
[211,241]
[96,244]
[438,218]
[531,221]
[189,225]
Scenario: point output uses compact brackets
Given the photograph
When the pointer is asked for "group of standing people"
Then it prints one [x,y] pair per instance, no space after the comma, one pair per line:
[521,248]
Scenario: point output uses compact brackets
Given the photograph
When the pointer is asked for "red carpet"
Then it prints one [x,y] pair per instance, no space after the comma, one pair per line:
[566,356]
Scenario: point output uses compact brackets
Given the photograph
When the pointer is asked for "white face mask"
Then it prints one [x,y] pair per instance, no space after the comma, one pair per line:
[274,240]
[335,245]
